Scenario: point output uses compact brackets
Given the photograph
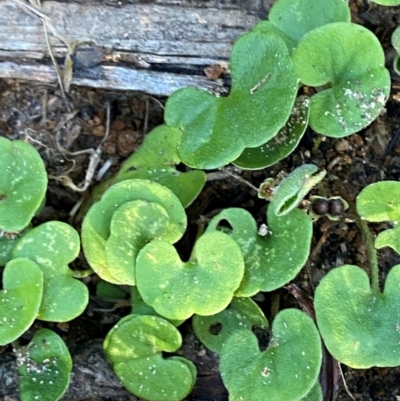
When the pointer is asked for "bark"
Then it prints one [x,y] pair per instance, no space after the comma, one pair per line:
[153,46]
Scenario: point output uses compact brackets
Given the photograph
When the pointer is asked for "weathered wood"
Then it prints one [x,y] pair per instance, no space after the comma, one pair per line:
[164,43]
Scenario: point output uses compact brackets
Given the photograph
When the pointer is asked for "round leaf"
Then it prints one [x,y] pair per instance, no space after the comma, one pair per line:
[134,347]
[286,370]
[45,368]
[294,18]
[348,60]
[205,285]
[282,144]
[273,260]
[242,313]
[23,184]
[20,298]
[53,245]
[96,230]
[380,201]
[360,328]
[263,78]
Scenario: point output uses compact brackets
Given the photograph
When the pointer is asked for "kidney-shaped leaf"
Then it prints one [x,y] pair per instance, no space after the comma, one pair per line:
[134,347]
[204,285]
[20,298]
[53,245]
[360,328]
[347,60]
[271,260]
[130,213]
[217,130]
[45,368]
[282,144]
[286,370]
[214,330]
[294,18]
[378,202]
[23,183]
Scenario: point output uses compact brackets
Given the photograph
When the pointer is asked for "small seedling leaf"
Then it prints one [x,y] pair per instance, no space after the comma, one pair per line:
[294,18]
[282,144]
[242,313]
[134,347]
[379,202]
[360,328]
[263,78]
[273,259]
[23,184]
[347,61]
[295,187]
[286,370]
[45,368]
[204,285]
[20,298]
[53,245]
[110,239]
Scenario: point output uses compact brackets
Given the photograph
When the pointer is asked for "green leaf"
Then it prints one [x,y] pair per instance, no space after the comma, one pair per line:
[20,298]
[295,187]
[315,393]
[347,61]
[217,130]
[396,38]
[379,202]
[204,285]
[23,184]
[134,347]
[130,213]
[271,260]
[45,368]
[109,291]
[155,160]
[295,18]
[282,144]
[390,238]
[242,313]
[360,328]
[387,2]
[139,307]
[286,370]
[52,246]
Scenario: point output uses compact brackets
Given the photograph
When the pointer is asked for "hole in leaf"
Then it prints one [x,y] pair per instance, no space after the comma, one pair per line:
[263,337]
[215,328]
[2,197]
[225,226]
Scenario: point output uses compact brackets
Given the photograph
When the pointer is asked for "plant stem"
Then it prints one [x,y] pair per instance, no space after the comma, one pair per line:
[373,258]
[366,233]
